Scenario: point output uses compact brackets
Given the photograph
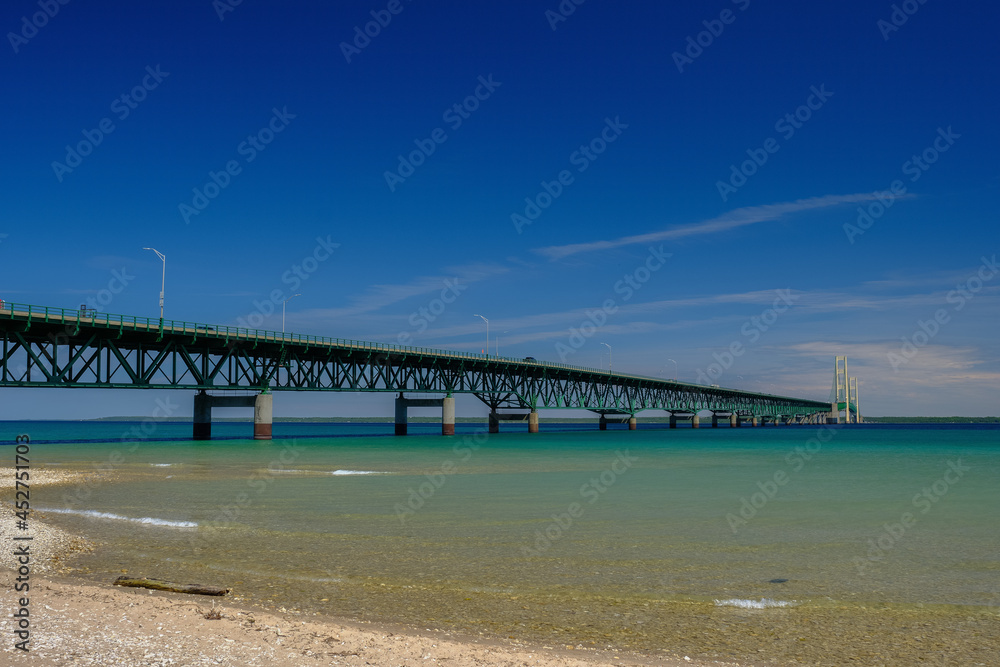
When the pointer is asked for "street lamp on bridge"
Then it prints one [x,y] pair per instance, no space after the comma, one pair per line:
[487,333]
[675,369]
[163,279]
[609,355]
[283,310]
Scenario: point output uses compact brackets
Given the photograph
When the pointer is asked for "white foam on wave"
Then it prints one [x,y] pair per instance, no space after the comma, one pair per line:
[161,465]
[332,472]
[763,603]
[146,520]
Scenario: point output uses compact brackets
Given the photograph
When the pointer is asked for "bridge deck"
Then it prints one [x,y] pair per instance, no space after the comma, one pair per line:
[57,347]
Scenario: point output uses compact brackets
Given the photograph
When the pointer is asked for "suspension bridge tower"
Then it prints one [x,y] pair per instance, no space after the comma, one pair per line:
[844,395]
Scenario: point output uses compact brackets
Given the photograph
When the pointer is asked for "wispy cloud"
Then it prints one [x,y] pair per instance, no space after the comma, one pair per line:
[377,297]
[740,217]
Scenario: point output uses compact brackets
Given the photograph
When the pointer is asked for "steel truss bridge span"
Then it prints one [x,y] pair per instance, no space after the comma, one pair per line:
[56,347]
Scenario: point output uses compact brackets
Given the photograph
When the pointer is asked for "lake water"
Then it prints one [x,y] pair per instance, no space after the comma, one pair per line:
[687,539]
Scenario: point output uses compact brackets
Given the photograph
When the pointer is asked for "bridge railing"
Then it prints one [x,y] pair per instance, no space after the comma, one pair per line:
[91,317]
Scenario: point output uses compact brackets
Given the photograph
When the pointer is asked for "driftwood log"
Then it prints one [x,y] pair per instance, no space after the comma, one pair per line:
[160,585]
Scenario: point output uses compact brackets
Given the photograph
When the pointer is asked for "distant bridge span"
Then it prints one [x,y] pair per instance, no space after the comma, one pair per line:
[57,347]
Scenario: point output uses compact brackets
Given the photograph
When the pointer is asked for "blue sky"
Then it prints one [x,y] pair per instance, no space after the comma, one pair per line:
[678,182]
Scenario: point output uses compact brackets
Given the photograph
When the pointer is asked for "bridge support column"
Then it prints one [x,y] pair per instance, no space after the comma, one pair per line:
[263,411]
[494,423]
[633,423]
[715,420]
[533,421]
[400,415]
[202,416]
[734,420]
[753,421]
[673,420]
[448,415]
[695,421]
[603,423]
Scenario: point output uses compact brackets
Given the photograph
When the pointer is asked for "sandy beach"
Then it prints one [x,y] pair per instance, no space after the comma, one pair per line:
[74,623]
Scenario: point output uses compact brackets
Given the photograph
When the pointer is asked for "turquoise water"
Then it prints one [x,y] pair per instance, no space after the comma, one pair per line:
[416,527]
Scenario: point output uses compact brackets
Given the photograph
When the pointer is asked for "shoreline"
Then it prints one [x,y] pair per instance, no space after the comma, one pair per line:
[84,620]
[75,622]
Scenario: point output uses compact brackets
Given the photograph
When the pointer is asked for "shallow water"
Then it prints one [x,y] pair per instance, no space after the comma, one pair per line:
[576,535]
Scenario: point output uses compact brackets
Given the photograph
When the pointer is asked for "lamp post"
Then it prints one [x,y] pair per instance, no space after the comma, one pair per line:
[609,355]
[283,310]
[675,369]
[487,333]
[163,279]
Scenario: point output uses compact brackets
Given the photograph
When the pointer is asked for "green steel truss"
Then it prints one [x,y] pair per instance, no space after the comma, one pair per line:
[54,347]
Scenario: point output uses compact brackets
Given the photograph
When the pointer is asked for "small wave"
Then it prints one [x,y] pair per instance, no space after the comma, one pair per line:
[332,472]
[763,603]
[161,465]
[146,520]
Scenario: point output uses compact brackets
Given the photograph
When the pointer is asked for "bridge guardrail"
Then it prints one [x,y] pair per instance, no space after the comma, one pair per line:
[9,310]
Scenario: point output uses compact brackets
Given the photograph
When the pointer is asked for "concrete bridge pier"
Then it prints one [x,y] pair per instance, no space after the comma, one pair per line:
[400,415]
[753,420]
[695,421]
[734,420]
[202,416]
[673,420]
[263,411]
[447,405]
[633,423]
[448,415]
[603,423]
[715,420]
[533,421]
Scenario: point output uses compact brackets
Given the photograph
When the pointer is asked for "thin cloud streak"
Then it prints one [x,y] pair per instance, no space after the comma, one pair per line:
[740,217]
[377,297]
